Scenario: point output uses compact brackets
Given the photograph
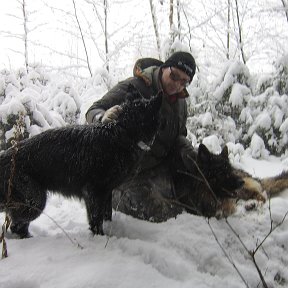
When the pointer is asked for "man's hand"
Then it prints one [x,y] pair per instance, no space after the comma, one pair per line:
[111,114]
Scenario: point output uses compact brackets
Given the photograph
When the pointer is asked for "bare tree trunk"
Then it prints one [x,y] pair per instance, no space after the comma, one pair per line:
[179,19]
[189,29]
[104,28]
[240,33]
[106,33]
[171,22]
[285,6]
[228,31]
[152,8]
[82,36]
[25,20]
[171,14]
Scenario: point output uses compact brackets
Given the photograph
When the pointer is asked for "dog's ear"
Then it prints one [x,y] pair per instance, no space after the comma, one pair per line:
[224,152]
[203,153]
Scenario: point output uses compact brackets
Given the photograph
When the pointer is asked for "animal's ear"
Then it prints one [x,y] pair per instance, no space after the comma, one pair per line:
[203,153]
[224,152]
[133,93]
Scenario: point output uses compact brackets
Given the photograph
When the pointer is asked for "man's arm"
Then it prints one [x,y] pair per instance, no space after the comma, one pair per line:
[116,96]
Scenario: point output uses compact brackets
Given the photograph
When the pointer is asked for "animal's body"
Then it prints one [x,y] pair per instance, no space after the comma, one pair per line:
[211,180]
[83,161]
[216,189]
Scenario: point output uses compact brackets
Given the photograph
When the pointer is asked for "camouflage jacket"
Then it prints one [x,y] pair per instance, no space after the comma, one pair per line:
[173,113]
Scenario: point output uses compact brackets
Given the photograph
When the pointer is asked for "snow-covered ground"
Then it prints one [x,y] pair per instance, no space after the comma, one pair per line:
[181,252]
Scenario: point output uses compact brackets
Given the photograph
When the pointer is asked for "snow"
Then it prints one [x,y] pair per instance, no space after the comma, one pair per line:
[284,126]
[263,121]
[237,95]
[257,147]
[212,143]
[181,252]
[206,119]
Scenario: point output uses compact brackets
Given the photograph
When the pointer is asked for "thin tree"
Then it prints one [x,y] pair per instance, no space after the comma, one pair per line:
[25,20]
[285,6]
[171,22]
[82,36]
[173,32]
[104,29]
[154,19]
[189,36]
[240,41]
[106,33]
[228,29]
[171,12]
[178,19]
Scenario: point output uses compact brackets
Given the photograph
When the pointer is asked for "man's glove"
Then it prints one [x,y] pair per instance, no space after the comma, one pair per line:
[111,114]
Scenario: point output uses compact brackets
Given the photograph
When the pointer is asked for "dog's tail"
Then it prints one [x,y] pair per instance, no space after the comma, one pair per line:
[256,188]
[276,184]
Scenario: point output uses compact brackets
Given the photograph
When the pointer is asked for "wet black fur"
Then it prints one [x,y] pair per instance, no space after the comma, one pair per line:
[82,161]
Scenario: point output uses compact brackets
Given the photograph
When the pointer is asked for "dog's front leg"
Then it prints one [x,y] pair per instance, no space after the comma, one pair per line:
[108,208]
[95,206]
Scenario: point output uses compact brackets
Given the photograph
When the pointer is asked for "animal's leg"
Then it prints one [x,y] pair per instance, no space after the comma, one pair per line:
[95,205]
[28,200]
[21,229]
[108,208]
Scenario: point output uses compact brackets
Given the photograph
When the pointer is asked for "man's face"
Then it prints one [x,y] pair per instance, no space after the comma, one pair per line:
[174,80]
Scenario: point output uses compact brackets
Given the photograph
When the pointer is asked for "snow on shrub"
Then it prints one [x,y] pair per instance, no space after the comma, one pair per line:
[257,147]
[240,109]
[24,93]
[281,81]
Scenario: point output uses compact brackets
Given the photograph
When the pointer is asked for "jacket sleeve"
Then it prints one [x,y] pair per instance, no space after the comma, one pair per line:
[115,96]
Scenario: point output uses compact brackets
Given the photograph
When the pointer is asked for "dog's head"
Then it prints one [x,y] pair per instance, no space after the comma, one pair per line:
[217,171]
[140,116]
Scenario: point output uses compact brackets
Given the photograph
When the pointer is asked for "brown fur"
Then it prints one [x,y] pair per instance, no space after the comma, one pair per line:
[275,185]
[256,188]
[253,189]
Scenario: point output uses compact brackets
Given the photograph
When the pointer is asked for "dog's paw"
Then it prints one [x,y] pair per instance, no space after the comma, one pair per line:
[251,205]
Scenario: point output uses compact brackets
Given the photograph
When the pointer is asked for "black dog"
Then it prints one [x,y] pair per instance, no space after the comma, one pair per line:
[83,161]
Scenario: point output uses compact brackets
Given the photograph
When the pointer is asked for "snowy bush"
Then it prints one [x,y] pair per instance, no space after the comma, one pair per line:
[232,90]
[219,110]
[281,82]
[35,96]
[235,110]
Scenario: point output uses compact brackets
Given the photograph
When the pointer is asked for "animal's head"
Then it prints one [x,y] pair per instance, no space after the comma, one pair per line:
[139,116]
[218,172]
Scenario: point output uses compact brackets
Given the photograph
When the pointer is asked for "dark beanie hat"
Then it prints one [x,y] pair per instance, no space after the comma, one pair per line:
[183,61]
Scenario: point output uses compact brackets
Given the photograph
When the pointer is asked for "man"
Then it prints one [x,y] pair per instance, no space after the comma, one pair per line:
[158,180]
